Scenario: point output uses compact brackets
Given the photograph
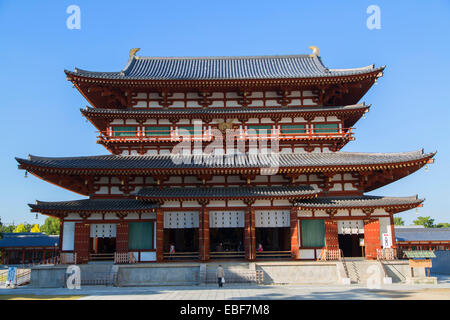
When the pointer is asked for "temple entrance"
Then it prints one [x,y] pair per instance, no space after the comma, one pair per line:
[102,242]
[226,234]
[272,234]
[226,243]
[181,240]
[351,237]
[350,244]
[181,236]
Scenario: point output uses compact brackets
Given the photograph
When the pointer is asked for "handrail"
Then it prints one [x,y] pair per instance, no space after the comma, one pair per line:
[344,263]
[244,134]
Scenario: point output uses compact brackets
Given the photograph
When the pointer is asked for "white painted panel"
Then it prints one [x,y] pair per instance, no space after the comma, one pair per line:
[181,220]
[306,253]
[103,230]
[350,226]
[281,203]
[148,256]
[73,216]
[103,190]
[68,236]
[132,215]
[226,219]
[236,203]
[305,213]
[308,102]
[349,186]
[272,218]
[191,204]
[262,203]
[272,103]
[171,204]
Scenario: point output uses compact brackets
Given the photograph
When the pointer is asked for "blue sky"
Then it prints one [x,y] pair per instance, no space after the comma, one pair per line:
[40,109]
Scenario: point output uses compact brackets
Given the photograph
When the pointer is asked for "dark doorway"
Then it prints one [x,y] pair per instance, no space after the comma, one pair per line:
[103,245]
[184,240]
[350,244]
[273,239]
[226,239]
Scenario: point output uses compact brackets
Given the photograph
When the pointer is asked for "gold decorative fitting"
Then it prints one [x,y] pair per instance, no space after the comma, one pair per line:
[315,51]
[133,52]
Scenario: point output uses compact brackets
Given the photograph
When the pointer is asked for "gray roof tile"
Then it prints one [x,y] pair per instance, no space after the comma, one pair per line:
[145,162]
[93,205]
[270,192]
[223,68]
[422,234]
[358,201]
[28,239]
[214,111]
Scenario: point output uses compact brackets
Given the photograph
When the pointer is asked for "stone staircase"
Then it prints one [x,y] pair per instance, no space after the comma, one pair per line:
[234,272]
[361,270]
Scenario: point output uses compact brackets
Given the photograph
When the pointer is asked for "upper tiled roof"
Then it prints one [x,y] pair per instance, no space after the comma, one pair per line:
[214,111]
[93,205]
[145,162]
[223,68]
[422,234]
[28,239]
[358,201]
[271,192]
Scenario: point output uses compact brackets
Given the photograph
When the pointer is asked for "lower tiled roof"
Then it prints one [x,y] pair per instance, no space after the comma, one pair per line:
[150,162]
[358,201]
[28,239]
[422,234]
[93,205]
[270,192]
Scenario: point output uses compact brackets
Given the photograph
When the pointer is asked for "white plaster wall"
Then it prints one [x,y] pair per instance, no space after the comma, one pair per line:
[68,236]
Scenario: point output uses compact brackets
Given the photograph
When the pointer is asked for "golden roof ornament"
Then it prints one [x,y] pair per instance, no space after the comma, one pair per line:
[315,51]
[133,52]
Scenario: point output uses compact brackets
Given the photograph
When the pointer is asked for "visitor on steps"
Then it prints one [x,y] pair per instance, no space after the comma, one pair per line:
[220,273]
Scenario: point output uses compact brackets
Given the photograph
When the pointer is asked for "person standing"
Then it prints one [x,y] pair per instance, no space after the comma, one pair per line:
[220,273]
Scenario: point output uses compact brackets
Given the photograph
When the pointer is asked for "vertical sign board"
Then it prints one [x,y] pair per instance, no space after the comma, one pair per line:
[387,240]
[11,277]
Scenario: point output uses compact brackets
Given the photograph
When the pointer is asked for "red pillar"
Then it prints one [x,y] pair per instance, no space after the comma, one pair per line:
[294,233]
[331,235]
[203,234]
[81,243]
[23,256]
[372,238]
[159,235]
[249,237]
[122,236]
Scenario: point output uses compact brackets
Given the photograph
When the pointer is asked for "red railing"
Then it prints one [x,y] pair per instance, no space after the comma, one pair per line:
[244,134]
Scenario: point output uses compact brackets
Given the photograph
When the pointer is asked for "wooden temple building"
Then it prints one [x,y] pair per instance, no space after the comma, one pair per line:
[225,158]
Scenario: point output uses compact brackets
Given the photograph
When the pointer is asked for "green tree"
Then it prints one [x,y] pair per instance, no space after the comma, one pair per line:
[50,226]
[442,225]
[7,229]
[398,221]
[427,222]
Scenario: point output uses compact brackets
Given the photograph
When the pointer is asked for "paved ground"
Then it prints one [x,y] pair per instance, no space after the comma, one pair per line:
[247,292]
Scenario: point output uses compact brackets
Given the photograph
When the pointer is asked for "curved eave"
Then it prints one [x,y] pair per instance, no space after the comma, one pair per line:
[230,113]
[394,205]
[61,208]
[325,79]
[31,165]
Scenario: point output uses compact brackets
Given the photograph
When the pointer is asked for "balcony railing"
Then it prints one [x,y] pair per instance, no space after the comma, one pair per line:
[155,135]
